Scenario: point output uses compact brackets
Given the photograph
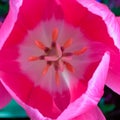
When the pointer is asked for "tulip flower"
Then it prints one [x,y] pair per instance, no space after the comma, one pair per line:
[57,55]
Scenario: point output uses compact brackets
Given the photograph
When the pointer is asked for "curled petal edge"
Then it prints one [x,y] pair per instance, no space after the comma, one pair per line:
[109,18]
[10,20]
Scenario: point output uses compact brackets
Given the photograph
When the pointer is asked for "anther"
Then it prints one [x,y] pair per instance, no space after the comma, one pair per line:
[55,34]
[68,43]
[79,52]
[51,58]
[57,78]
[69,67]
[40,45]
[61,65]
[45,69]
[59,52]
[33,58]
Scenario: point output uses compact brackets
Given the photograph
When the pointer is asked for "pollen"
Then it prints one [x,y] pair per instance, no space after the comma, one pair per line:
[69,67]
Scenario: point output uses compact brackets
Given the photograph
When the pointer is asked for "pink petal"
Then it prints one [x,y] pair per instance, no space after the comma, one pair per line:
[42,100]
[45,8]
[118,19]
[4,96]
[93,94]
[113,79]
[94,114]
[29,94]
[62,100]
[9,22]
[18,84]
[32,112]
[88,66]
[109,19]
[105,29]
[92,15]
[23,87]
[78,90]
[29,19]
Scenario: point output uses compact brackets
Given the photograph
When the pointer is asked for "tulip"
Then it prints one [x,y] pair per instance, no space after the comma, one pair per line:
[57,55]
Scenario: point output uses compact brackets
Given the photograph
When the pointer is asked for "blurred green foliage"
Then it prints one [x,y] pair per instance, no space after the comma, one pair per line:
[106,108]
[114,5]
[12,110]
[4,7]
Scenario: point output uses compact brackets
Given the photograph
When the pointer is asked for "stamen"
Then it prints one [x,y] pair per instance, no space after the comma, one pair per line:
[45,69]
[69,67]
[79,52]
[68,43]
[57,78]
[40,45]
[53,45]
[56,56]
[55,34]
[33,58]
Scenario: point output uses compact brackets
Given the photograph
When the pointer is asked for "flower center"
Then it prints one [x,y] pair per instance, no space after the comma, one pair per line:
[55,55]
